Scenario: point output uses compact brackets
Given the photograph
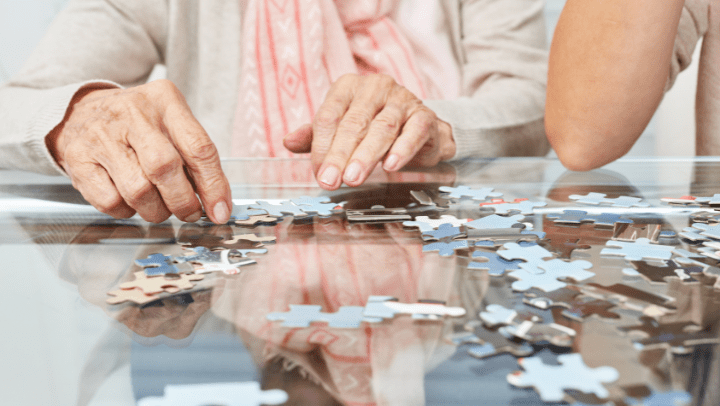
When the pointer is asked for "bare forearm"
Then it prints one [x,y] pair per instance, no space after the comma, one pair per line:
[609,63]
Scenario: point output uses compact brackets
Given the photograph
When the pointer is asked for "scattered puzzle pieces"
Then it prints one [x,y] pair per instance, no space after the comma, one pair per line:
[550,381]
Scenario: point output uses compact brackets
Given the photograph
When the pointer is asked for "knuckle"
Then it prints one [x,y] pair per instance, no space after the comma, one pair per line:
[161,165]
[355,123]
[388,125]
[137,191]
[201,149]
[385,80]
[326,118]
[108,203]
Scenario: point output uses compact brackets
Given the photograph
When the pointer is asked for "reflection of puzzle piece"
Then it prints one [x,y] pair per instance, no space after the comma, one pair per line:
[165,283]
[524,206]
[230,394]
[130,295]
[251,238]
[376,310]
[580,308]
[464,191]
[528,275]
[497,315]
[444,231]
[494,221]
[495,264]
[280,209]
[157,264]
[581,216]
[555,334]
[565,249]
[261,219]
[675,398]
[492,342]
[304,315]
[545,300]
[550,381]
[425,223]
[446,249]
[639,250]
[658,274]
[320,205]
[599,198]
[677,336]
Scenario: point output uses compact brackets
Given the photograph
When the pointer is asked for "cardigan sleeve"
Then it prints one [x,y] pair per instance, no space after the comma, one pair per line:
[91,43]
[503,54]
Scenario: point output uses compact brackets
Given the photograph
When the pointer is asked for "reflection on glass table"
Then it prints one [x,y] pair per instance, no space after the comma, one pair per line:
[538,290]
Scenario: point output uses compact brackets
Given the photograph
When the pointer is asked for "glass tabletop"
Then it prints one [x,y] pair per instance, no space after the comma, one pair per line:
[535,307]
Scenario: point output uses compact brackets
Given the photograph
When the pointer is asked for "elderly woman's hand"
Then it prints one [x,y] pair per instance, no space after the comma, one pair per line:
[141,150]
[365,120]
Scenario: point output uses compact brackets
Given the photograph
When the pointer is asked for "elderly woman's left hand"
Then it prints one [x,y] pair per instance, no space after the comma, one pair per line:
[366,119]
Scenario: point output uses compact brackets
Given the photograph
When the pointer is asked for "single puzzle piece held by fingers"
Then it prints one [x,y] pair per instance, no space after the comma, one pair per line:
[464,191]
[551,381]
[163,283]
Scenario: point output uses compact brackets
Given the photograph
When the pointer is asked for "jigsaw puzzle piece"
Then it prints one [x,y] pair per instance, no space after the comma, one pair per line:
[639,250]
[600,198]
[446,249]
[258,220]
[171,283]
[321,205]
[426,224]
[245,211]
[444,231]
[674,398]
[494,222]
[386,307]
[280,209]
[532,254]
[494,264]
[532,332]
[658,274]
[130,295]
[226,393]
[464,191]
[524,206]
[496,315]
[157,264]
[491,342]
[551,381]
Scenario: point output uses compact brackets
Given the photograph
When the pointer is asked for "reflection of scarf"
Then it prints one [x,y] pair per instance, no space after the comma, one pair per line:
[294,49]
[329,265]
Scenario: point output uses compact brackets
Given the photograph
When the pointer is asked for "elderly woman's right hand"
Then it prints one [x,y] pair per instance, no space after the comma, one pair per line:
[141,150]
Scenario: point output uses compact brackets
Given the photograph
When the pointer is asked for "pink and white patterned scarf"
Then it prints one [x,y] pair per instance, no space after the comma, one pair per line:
[294,49]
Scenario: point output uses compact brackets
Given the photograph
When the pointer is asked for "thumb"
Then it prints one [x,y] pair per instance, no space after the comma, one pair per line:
[300,140]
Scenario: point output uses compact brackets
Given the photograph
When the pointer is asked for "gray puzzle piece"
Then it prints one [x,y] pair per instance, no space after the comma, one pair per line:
[279,210]
[446,249]
[530,253]
[712,231]
[497,315]
[639,250]
[692,234]
[494,221]
[244,211]
[581,216]
[445,231]
[495,265]
[711,201]
[464,191]
[599,198]
[157,264]
[525,207]
[321,205]
[425,223]
[551,381]
[304,315]
[546,279]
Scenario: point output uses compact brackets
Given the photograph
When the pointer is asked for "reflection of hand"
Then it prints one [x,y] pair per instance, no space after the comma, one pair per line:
[172,319]
[141,150]
[366,119]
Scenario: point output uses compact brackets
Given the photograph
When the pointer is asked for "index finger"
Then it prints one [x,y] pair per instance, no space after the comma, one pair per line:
[201,160]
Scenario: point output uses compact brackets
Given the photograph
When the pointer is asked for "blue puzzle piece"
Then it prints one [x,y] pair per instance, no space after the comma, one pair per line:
[444,231]
[157,264]
[675,398]
[446,249]
[464,191]
[495,264]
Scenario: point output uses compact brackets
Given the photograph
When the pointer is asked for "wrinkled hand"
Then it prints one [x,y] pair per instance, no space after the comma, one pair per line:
[366,119]
[141,150]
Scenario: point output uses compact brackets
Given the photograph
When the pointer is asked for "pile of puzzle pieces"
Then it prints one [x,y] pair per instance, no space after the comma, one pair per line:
[625,268]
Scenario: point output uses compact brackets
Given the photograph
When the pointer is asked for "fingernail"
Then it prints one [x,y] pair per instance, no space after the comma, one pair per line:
[330,176]
[391,162]
[352,172]
[194,217]
[222,215]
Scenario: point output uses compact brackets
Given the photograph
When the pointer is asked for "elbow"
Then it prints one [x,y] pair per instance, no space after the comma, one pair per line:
[580,148]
